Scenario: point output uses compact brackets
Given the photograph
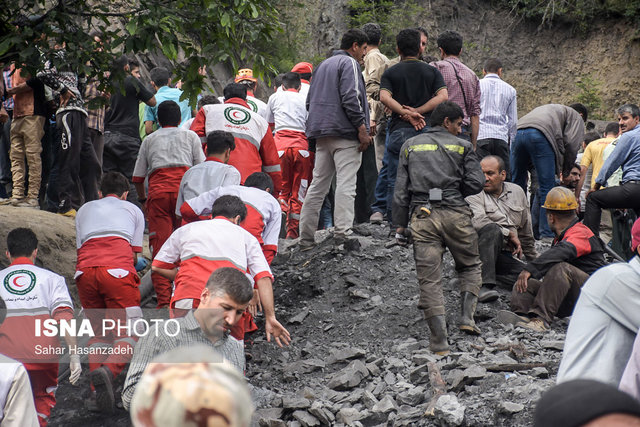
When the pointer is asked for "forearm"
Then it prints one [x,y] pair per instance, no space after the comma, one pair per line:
[148,127]
[164,272]
[18,89]
[390,103]
[142,194]
[475,128]
[431,104]
[265,290]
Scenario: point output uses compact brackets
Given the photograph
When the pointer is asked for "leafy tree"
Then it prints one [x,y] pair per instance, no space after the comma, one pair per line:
[201,31]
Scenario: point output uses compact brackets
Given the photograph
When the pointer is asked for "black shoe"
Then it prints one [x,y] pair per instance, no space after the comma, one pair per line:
[438,338]
[467,324]
[487,295]
[102,381]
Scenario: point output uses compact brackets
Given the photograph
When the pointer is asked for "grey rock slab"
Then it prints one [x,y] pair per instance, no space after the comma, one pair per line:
[369,399]
[413,396]
[306,419]
[419,374]
[552,344]
[349,416]
[387,404]
[295,402]
[359,293]
[373,368]
[322,414]
[422,358]
[299,318]
[449,410]
[342,355]
[390,378]
[410,344]
[475,372]
[349,377]
[539,372]
[511,407]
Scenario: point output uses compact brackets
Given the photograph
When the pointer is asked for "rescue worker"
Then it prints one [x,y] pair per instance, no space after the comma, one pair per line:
[437,170]
[33,294]
[550,284]
[109,234]
[255,149]
[164,157]
[213,172]
[202,247]
[263,219]
[245,78]
[304,70]
[287,115]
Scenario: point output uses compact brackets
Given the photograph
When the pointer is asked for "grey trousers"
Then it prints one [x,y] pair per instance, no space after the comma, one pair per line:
[337,156]
[498,264]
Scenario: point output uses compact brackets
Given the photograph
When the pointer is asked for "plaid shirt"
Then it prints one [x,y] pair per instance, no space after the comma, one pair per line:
[470,85]
[157,342]
[95,118]
[8,103]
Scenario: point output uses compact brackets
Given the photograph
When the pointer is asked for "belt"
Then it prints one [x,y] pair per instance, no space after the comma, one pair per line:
[632,181]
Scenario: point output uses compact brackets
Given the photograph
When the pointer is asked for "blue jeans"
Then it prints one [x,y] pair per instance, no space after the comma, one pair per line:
[530,145]
[396,140]
[380,205]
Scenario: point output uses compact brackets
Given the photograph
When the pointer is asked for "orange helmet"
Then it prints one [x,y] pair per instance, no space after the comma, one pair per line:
[245,74]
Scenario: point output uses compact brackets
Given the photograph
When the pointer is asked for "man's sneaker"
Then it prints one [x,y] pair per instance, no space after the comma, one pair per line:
[29,203]
[15,200]
[102,381]
[487,295]
[4,201]
[510,318]
[536,325]
[71,213]
[376,218]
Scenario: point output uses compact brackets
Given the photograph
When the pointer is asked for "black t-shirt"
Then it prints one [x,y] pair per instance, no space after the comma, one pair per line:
[122,114]
[411,82]
[39,100]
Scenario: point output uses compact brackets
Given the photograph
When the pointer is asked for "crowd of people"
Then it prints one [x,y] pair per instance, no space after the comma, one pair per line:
[419,142]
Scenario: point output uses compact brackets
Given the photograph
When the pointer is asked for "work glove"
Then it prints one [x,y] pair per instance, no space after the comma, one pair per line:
[76,368]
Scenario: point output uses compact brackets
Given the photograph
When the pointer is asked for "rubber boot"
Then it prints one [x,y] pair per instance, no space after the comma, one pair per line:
[467,324]
[438,339]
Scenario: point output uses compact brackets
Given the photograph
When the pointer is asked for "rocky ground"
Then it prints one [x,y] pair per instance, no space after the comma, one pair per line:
[360,354]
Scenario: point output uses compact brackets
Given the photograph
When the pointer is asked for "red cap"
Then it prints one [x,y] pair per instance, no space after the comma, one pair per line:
[302,68]
[635,235]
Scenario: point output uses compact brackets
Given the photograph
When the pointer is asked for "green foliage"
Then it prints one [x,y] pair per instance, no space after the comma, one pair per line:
[392,16]
[589,95]
[580,12]
[202,31]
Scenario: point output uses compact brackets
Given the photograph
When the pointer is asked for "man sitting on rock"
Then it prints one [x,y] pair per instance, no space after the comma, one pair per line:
[503,222]
[575,254]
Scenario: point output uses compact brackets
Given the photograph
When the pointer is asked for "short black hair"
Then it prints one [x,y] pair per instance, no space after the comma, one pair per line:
[169,113]
[229,207]
[218,141]
[250,85]
[612,127]
[373,32]
[277,80]
[501,165]
[305,76]
[160,76]
[114,183]
[291,80]
[235,90]
[563,214]
[408,42]
[445,109]
[492,65]
[119,63]
[589,137]
[21,242]
[352,36]
[576,166]
[629,108]
[133,63]
[232,282]
[259,180]
[580,109]
[450,42]
[421,30]
[207,100]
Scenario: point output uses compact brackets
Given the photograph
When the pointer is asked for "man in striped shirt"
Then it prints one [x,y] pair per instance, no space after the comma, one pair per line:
[499,115]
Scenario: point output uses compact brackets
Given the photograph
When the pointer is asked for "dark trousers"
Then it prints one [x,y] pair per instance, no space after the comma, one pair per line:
[119,154]
[78,167]
[97,140]
[495,147]
[5,144]
[555,295]
[366,185]
[625,196]
[499,267]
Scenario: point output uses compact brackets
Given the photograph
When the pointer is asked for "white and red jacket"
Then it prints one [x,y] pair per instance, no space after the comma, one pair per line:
[31,293]
[202,247]
[206,176]
[255,149]
[165,156]
[108,232]
[264,215]
[287,112]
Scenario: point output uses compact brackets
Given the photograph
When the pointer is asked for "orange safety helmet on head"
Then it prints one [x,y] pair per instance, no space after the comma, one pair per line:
[245,74]
[560,199]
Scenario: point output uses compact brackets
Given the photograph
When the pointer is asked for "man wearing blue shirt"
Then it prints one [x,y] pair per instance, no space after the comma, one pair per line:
[627,155]
[160,81]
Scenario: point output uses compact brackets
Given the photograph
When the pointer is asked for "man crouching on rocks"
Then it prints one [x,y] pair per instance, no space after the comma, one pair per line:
[436,172]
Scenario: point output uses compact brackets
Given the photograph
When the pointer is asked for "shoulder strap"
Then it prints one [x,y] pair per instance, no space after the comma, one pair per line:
[459,84]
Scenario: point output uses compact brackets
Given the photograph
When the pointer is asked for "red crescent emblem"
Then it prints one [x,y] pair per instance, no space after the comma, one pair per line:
[15,282]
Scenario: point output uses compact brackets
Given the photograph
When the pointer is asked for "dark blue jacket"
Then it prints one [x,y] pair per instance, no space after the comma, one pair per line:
[337,100]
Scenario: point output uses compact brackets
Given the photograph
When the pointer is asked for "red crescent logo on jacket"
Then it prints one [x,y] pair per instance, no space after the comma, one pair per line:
[237,116]
[20,282]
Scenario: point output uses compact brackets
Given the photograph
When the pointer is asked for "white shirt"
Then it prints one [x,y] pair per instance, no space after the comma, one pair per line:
[287,110]
[204,177]
[499,115]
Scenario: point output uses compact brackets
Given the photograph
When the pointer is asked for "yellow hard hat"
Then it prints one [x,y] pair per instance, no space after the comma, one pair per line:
[560,199]
[245,74]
